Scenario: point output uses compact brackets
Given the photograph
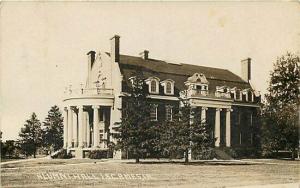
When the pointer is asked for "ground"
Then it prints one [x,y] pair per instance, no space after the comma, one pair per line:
[110,173]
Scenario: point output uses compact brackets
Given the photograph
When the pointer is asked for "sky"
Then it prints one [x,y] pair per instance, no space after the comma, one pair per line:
[43,45]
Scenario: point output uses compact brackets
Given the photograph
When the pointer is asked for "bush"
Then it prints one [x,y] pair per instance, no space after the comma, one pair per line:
[63,154]
[243,152]
[98,154]
[204,154]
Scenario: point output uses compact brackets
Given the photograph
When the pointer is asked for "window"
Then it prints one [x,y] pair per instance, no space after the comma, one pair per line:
[153,112]
[240,138]
[153,86]
[169,88]
[153,83]
[250,96]
[251,119]
[169,113]
[238,94]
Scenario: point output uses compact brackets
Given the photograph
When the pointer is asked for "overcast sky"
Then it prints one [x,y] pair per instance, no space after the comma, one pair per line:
[44,45]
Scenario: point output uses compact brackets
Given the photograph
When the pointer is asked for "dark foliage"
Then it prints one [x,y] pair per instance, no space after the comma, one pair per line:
[281,109]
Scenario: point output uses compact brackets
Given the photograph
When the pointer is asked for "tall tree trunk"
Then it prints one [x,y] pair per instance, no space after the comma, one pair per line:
[186,156]
[293,154]
[34,154]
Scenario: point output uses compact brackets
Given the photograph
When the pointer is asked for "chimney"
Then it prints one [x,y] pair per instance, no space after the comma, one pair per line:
[91,59]
[115,49]
[246,69]
[144,54]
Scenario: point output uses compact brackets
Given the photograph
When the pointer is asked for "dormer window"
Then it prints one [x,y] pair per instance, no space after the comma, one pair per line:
[222,91]
[168,86]
[153,87]
[153,83]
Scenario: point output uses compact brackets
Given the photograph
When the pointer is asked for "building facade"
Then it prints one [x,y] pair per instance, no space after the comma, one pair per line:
[227,101]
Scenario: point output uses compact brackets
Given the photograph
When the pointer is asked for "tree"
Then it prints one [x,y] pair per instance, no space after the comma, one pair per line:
[3,148]
[10,148]
[186,133]
[135,128]
[53,130]
[280,125]
[30,136]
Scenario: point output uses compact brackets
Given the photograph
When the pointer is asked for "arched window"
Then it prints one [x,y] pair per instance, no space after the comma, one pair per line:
[168,85]
[168,88]
[153,86]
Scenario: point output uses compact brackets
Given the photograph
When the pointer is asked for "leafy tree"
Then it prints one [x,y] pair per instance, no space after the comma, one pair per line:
[10,148]
[30,136]
[186,132]
[53,130]
[3,148]
[281,125]
[135,128]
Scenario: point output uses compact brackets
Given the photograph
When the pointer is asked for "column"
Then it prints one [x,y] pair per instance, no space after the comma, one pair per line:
[203,114]
[75,130]
[104,132]
[228,127]
[65,115]
[96,126]
[217,127]
[84,129]
[80,126]
[70,126]
[88,130]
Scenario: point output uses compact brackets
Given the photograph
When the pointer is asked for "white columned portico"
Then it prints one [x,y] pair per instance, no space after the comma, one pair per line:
[217,127]
[96,126]
[80,126]
[70,126]
[228,127]
[203,114]
[88,130]
[65,115]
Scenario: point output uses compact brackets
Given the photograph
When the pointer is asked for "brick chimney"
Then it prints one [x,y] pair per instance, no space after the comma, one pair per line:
[115,49]
[144,54]
[246,69]
[91,59]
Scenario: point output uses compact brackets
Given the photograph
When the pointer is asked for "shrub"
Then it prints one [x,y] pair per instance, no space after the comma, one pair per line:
[205,154]
[62,154]
[243,152]
[98,154]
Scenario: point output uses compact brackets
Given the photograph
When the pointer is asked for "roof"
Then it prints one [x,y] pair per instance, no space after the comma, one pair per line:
[179,72]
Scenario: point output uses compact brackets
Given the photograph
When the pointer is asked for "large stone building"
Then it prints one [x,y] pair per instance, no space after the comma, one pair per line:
[227,101]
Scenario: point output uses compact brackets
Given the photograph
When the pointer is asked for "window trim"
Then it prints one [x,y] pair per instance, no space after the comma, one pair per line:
[149,82]
[171,112]
[165,83]
[155,106]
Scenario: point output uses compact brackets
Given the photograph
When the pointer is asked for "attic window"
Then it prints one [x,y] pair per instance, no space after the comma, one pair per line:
[168,86]
[153,87]
[153,83]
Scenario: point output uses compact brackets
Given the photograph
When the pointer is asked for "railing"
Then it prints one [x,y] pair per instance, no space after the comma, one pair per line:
[204,93]
[89,91]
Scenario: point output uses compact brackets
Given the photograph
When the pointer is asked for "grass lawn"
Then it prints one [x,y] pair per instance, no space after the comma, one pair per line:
[109,173]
